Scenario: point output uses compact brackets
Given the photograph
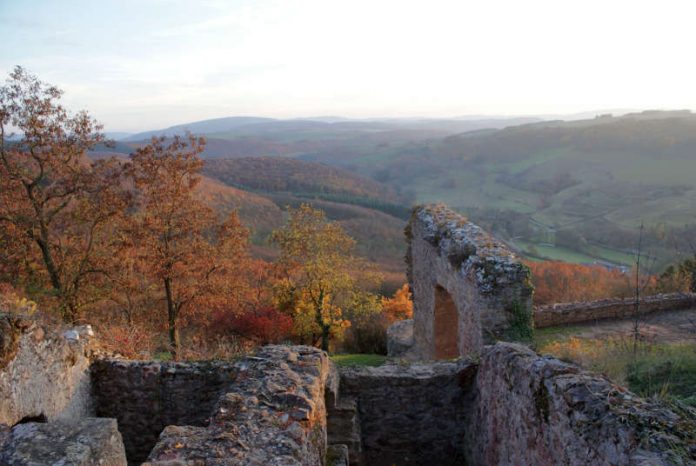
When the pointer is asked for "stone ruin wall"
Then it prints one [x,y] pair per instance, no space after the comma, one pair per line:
[288,405]
[273,414]
[511,407]
[146,396]
[531,409]
[55,388]
[46,405]
[573,313]
[466,285]
[411,414]
[43,373]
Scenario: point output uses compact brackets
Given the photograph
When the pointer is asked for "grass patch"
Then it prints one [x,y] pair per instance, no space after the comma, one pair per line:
[544,336]
[358,359]
[664,370]
[557,253]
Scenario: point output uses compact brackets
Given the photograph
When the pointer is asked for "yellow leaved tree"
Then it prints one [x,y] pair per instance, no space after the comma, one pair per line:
[320,277]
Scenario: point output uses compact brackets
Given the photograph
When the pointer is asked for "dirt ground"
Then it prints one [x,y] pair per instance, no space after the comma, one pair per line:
[658,327]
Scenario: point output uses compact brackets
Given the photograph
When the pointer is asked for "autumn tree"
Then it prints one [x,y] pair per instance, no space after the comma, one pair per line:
[680,277]
[399,306]
[56,206]
[322,279]
[178,238]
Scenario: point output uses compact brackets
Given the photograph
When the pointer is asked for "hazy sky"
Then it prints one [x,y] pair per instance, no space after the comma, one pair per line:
[144,64]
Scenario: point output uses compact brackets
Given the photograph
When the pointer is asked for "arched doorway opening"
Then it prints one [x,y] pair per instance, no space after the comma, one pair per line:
[446,325]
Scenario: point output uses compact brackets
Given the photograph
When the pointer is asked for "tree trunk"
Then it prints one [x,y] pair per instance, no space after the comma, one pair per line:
[67,309]
[325,337]
[174,343]
[325,329]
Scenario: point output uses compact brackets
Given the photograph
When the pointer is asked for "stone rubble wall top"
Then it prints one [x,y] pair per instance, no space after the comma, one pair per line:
[274,414]
[467,247]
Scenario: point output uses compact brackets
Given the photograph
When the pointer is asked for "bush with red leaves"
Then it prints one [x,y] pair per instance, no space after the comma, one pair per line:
[264,325]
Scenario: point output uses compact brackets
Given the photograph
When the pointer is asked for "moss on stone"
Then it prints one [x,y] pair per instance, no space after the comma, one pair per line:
[520,318]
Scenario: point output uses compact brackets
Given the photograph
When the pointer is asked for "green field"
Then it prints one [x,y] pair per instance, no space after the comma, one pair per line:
[544,251]
[358,359]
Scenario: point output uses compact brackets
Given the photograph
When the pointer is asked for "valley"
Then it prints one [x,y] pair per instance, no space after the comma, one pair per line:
[574,191]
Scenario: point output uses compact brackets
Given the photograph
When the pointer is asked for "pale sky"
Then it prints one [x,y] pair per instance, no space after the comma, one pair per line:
[147,64]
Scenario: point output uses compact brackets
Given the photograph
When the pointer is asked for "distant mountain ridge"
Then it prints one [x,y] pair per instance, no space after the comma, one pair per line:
[200,127]
[238,126]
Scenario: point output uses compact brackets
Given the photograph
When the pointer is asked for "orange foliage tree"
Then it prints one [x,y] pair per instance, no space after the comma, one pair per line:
[557,282]
[179,239]
[56,207]
[400,306]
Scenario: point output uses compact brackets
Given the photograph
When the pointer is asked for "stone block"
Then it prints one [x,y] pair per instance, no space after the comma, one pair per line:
[399,338]
[85,442]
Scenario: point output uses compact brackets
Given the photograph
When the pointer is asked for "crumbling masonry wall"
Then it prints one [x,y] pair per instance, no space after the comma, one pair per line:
[530,409]
[506,406]
[146,396]
[274,414]
[468,288]
[44,373]
[411,415]
[512,407]
[46,406]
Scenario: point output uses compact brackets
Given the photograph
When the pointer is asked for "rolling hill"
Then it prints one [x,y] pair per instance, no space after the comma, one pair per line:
[575,190]
[199,127]
[278,174]
[258,213]
[586,185]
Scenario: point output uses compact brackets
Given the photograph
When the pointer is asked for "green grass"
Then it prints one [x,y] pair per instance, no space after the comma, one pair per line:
[358,359]
[663,370]
[556,253]
[612,255]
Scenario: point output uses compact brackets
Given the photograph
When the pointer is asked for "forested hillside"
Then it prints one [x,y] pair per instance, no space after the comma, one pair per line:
[278,174]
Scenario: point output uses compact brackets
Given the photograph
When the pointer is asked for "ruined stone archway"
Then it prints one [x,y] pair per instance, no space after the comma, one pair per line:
[468,288]
[446,325]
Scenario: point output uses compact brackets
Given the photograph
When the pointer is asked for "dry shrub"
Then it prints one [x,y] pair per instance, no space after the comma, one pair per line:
[131,341]
[230,347]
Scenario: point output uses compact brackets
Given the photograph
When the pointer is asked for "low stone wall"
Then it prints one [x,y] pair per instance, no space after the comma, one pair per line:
[572,313]
[538,410]
[411,415]
[44,373]
[274,414]
[147,396]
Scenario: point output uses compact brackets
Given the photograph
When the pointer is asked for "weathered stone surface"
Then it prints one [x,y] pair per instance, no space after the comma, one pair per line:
[274,414]
[85,442]
[343,428]
[530,409]
[570,313]
[400,338]
[44,374]
[337,455]
[411,415]
[10,333]
[467,287]
[147,396]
